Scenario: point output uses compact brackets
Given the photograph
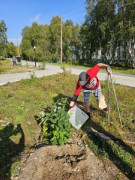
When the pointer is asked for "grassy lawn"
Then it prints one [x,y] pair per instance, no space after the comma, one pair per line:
[21,103]
[116,69]
[6,67]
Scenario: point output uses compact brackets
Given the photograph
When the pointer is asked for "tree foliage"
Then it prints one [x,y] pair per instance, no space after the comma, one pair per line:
[110,27]
[3,38]
[47,39]
[11,50]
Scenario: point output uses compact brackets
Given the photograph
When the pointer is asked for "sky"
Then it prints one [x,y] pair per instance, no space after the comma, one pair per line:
[20,13]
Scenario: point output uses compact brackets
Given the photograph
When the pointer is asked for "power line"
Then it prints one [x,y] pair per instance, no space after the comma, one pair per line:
[79,18]
[75,18]
[83,17]
[82,11]
[74,13]
[71,10]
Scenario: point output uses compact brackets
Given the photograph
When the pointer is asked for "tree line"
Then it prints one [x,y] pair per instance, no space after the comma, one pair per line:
[108,31]
[6,49]
[110,27]
[47,40]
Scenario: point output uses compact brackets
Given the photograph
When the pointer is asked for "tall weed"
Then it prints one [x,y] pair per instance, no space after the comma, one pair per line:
[66,70]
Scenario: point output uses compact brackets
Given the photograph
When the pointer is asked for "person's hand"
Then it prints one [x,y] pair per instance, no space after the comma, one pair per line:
[109,70]
[72,104]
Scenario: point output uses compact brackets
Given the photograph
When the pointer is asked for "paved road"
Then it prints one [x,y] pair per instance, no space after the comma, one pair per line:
[128,80]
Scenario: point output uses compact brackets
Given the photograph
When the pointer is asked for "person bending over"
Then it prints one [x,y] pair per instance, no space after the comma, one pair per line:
[89,83]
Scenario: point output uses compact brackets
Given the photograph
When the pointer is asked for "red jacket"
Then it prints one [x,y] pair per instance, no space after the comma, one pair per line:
[93,82]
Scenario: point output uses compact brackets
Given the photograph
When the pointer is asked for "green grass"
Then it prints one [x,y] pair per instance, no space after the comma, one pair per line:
[4,66]
[21,103]
[115,69]
[7,67]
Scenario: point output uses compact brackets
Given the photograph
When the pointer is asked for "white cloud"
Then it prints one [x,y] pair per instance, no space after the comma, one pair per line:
[16,41]
[36,18]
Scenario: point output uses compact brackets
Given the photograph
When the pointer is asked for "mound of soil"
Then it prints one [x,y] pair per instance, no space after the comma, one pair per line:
[72,161]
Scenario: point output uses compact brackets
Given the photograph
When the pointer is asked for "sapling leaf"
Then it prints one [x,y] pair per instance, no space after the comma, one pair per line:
[52,125]
[54,141]
[61,142]
[56,125]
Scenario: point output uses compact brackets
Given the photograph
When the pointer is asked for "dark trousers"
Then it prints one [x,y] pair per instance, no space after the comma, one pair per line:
[14,63]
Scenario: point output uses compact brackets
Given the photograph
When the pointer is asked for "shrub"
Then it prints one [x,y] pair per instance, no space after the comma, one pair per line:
[2,58]
[43,65]
[56,127]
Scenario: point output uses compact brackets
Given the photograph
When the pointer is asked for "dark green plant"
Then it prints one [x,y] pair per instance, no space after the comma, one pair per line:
[56,127]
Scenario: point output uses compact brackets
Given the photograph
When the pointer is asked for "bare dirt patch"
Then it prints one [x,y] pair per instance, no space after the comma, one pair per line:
[72,161]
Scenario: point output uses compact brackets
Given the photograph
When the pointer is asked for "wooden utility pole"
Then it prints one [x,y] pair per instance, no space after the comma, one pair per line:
[61,41]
